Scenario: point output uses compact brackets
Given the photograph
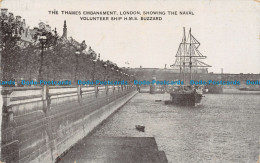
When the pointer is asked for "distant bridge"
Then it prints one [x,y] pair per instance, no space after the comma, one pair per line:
[170,74]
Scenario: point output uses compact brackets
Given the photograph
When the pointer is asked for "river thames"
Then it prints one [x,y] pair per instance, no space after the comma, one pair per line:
[223,128]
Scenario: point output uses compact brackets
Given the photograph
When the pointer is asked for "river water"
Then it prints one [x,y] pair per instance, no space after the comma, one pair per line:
[223,128]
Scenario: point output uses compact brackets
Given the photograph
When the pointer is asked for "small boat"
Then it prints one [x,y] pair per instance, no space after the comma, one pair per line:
[187,57]
[140,128]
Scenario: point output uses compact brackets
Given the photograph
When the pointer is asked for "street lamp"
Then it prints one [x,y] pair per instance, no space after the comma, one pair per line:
[121,75]
[105,65]
[94,68]
[131,77]
[43,40]
[117,74]
[112,68]
[77,53]
[127,77]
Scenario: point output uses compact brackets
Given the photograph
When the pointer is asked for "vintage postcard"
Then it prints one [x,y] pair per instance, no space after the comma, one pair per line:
[138,81]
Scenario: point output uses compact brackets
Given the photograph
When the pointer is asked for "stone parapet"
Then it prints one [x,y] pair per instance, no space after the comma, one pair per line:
[40,124]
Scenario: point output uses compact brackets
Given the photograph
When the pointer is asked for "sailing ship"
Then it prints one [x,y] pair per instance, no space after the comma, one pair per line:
[187,57]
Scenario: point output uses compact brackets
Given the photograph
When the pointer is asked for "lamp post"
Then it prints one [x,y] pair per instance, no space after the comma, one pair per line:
[77,53]
[131,78]
[128,78]
[79,47]
[121,75]
[117,74]
[112,69]
[43,40]
[94,68]
[126,75]
[46,39]
[105,65]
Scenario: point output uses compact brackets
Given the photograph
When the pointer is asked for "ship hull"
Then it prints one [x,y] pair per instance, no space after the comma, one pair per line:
[185,99]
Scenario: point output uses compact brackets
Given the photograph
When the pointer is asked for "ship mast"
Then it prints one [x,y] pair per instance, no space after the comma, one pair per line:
[190,57]
[188,53]
[180,62]
[184,50]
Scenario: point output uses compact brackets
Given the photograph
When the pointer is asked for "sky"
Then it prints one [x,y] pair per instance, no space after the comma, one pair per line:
[228,30]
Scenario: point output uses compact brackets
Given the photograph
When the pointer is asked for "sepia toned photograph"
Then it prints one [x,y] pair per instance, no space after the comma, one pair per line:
[138,81]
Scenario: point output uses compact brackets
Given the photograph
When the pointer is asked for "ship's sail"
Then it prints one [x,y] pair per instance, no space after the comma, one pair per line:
[188,54]
[193,40]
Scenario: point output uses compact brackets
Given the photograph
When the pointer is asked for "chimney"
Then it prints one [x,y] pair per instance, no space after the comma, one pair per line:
[64,30]
[221,70]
